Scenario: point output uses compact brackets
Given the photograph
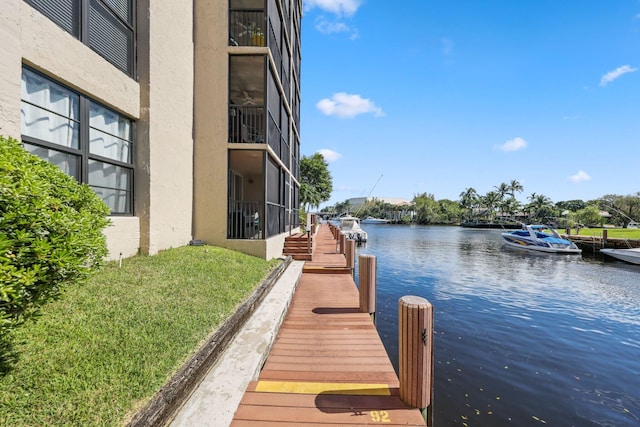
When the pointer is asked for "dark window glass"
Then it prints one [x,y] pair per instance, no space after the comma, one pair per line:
[93,143]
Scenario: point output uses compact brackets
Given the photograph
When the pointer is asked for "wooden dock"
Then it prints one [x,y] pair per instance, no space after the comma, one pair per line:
[593,244]
[328,365]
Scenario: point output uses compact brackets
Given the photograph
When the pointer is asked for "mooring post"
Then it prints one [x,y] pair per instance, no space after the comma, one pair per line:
[367,284]
[351,254]
[605,234]
[341,246]
[415,347]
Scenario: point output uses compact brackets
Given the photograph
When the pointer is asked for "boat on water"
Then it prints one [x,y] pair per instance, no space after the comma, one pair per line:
[350,227]
[540,238]
[372,220]
[629,255]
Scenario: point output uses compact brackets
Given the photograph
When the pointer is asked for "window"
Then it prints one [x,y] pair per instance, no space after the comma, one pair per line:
[85,139]
[106,26]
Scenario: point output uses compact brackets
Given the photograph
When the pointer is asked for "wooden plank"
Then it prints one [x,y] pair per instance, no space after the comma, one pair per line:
[315,388]
[343,401]
[326,367]
[330,360]
[339,376]
[332,416]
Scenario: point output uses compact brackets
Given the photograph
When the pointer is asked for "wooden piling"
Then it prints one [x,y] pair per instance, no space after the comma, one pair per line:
[342,244]
[351,254]
[367,284]
[415,347]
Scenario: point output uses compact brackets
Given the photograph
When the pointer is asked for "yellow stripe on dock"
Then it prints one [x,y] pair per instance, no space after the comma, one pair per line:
[323,388]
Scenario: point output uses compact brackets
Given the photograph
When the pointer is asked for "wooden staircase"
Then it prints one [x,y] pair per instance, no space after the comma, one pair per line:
[300,246]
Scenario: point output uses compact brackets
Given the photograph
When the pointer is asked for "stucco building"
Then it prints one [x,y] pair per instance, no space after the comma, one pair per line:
[183,116]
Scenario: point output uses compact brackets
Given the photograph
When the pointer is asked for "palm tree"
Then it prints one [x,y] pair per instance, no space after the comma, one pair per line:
[502,189]
[469,200]
[491,201]
[510,206]
[540,205]
[309,196]
[513,187]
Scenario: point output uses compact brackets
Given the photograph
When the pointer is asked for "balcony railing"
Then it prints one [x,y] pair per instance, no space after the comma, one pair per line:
[245,220]
[246,124]
[247,28]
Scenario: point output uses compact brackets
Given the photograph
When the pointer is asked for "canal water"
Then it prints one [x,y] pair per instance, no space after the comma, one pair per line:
[521,338]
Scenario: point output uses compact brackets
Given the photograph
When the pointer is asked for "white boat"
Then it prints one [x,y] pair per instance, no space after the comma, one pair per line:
[350,227]
[540,238]
[629,255]
[372,220]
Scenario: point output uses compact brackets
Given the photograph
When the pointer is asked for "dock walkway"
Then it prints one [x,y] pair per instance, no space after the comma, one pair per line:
[328,365]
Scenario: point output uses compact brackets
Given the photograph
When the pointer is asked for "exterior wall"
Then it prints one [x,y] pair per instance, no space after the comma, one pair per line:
[211,122]
[123,237]
[30,38]
[180,105]
[10,68]
[164,149]
[57,53]
[266,249]
[161,104]
[27,37]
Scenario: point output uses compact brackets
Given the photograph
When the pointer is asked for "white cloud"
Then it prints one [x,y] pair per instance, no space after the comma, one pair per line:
[328,27]
[612,75]
[347,105]
[514,144]
[580,176]
[447,46]
[337,7]
[329,155]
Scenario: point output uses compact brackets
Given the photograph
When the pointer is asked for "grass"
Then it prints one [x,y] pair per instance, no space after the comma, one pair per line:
[100,353]
[614,233]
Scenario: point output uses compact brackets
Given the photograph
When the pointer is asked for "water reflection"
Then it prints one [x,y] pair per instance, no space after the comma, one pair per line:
[521,338]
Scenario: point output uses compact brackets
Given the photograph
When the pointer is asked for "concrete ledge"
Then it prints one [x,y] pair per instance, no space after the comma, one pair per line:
[163,407]
[217,397]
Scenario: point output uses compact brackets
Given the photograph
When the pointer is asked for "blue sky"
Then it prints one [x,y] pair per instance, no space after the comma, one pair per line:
[440,96]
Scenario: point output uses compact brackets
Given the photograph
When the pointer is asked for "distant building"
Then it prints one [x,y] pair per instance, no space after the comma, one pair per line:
[183,116]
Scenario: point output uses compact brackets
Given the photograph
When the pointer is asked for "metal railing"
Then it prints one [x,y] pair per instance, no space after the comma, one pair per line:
[245,220]
[246,124]
[247,28]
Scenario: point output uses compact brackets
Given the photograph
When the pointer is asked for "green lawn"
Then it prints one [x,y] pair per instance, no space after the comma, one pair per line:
[618,233]
[103,350]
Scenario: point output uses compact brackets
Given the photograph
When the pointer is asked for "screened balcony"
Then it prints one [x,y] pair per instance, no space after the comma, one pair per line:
[262,202]
[247,115]
[246,205]
[247,23]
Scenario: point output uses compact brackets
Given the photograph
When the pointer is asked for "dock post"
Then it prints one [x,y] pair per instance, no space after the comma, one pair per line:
[415,347]
[341,245]
[351,255]
[367,284]
[605,234]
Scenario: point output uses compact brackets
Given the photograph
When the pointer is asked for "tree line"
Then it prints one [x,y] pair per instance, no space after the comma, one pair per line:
[499,204]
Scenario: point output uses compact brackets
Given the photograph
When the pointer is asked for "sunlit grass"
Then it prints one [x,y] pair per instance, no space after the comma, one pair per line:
[615,233]
[105,348]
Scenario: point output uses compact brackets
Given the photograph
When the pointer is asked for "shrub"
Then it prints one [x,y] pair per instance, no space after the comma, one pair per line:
[50,234]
